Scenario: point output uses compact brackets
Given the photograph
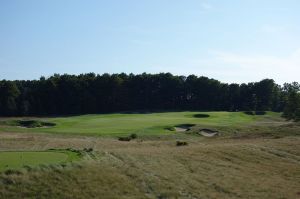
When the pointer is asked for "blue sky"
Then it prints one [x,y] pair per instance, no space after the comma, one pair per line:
[232,40]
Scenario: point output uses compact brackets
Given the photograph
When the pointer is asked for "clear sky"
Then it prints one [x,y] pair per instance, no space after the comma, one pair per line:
[229,40]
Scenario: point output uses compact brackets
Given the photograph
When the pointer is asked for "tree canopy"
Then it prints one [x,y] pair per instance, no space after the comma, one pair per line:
[91,93]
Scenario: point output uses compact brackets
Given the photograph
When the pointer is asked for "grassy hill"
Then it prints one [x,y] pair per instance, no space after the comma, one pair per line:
[254,156]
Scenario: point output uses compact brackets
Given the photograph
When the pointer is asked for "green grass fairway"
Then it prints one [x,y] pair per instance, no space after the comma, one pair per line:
[141,124]
[254,156]
[18,159]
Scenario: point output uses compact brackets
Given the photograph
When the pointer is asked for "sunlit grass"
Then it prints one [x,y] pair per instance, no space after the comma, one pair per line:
[141,124]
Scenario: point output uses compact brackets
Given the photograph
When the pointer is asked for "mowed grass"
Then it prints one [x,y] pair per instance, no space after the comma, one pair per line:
[141,124]
[260,157]
[19,159]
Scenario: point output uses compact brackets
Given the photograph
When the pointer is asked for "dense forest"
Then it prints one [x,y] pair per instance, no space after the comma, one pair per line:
[91,93]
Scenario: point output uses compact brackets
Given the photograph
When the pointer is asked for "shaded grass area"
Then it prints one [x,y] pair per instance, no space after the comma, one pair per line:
[201,115]
[27,123]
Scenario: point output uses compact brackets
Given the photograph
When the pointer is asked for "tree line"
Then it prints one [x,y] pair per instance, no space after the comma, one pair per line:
[91,93]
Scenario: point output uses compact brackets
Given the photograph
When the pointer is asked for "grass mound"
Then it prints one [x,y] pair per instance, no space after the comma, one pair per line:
[128,138]
[201,115]
[33,123]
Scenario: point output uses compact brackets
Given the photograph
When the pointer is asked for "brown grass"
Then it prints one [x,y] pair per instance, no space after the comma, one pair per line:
[206,168]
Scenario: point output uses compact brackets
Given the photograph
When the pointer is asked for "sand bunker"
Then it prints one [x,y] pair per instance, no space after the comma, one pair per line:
[208,132]
[183,127]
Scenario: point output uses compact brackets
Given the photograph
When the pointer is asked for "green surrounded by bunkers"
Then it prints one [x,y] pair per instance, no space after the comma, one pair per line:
[150,155]
[141,124]
[113,125]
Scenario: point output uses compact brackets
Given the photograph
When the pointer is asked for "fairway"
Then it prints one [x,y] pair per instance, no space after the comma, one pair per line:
[19,159]
[141,124]
[262,148]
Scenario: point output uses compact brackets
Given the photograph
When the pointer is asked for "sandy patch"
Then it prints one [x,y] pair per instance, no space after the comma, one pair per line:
[181,129]
[208,132]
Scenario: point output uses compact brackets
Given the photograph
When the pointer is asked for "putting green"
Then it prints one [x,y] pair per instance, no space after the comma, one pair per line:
[18,159]
[140,124]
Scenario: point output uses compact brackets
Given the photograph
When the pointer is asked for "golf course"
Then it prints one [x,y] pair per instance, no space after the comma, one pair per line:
[149,99]
[150,155]
[145,124]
